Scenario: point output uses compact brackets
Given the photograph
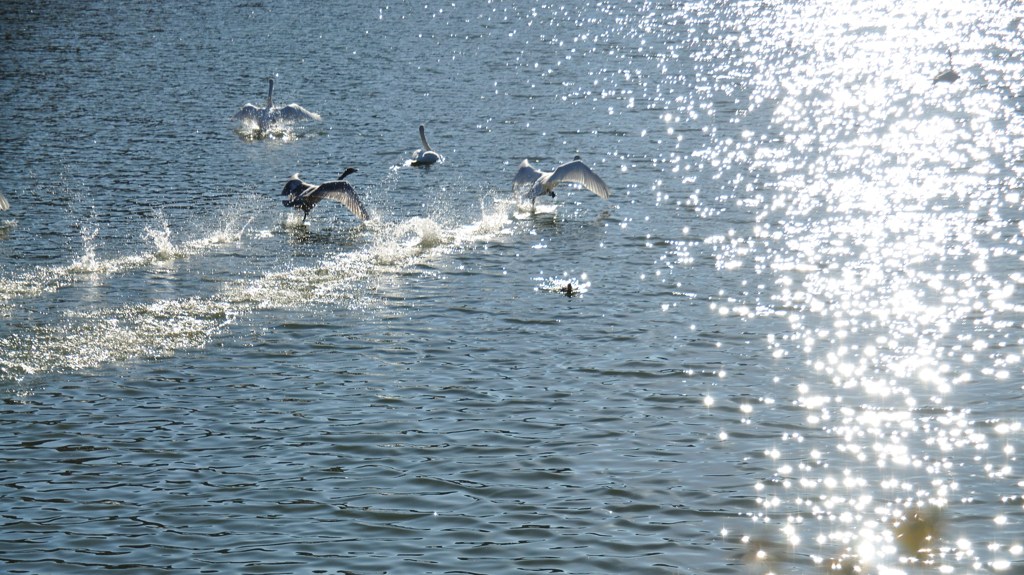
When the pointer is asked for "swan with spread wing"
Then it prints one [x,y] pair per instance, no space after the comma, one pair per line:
[305,196]
[268,115]
[538,183]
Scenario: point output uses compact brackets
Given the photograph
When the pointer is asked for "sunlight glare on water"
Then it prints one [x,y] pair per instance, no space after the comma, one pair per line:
[890,234]
[789,342]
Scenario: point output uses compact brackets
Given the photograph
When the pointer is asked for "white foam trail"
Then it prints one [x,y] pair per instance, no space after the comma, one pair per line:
[395,246]
[251,132]
[46,279]
[526,211]
[494,220]
[158,329]
[89,339]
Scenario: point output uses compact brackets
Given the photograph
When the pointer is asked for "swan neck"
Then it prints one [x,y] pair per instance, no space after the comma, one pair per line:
[423,139]
[270,95]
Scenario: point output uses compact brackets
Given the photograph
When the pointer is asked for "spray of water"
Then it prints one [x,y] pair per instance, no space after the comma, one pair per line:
[156,329]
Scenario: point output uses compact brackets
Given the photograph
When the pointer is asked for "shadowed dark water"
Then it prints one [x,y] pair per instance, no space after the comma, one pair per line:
[795,344]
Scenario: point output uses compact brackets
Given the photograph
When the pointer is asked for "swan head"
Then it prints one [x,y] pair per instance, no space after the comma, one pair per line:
[347,172]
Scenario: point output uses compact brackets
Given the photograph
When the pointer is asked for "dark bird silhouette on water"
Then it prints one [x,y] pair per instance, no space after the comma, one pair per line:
[304,196]
[950,75]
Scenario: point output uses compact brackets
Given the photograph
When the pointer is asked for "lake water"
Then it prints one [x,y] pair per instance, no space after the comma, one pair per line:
[795,343]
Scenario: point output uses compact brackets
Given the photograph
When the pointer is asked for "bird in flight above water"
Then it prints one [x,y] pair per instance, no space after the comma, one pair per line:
[304,196]
[269,115]
[543,183]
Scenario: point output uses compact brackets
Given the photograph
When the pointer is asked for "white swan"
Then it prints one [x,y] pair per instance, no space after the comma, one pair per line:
[3,203]
[269,114]
[303,196]
[543,183]
[425,156]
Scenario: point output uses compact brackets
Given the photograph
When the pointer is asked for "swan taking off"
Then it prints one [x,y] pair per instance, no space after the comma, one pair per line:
[543,183]
[270,114]
[426,156]
[303,196]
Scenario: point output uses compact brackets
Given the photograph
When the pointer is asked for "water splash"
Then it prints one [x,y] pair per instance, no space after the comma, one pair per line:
[249,131]
[161,241]
[87,263]
[91,338]
[572,286]
[6,227]
[47,279]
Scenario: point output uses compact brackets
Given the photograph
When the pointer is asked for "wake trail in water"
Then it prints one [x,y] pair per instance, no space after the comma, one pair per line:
[48,279]
[157,329]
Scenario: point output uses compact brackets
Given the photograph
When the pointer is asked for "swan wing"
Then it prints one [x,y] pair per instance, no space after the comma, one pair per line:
[296,113]
[247,112]
[297,191]
[295,187]
[343,193]
[526,177]
[3,203]
[576,172]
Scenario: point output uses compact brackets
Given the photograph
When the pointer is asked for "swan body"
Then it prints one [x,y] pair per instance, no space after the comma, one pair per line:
[4,205]
[950,75]
[304,196]
[425,156]
[270,114]
[543,183]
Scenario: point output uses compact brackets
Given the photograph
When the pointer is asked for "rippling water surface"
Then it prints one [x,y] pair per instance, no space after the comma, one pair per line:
[794,343]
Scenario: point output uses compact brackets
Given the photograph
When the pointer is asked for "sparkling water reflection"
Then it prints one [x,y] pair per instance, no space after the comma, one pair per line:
[793,346]
[891,231]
